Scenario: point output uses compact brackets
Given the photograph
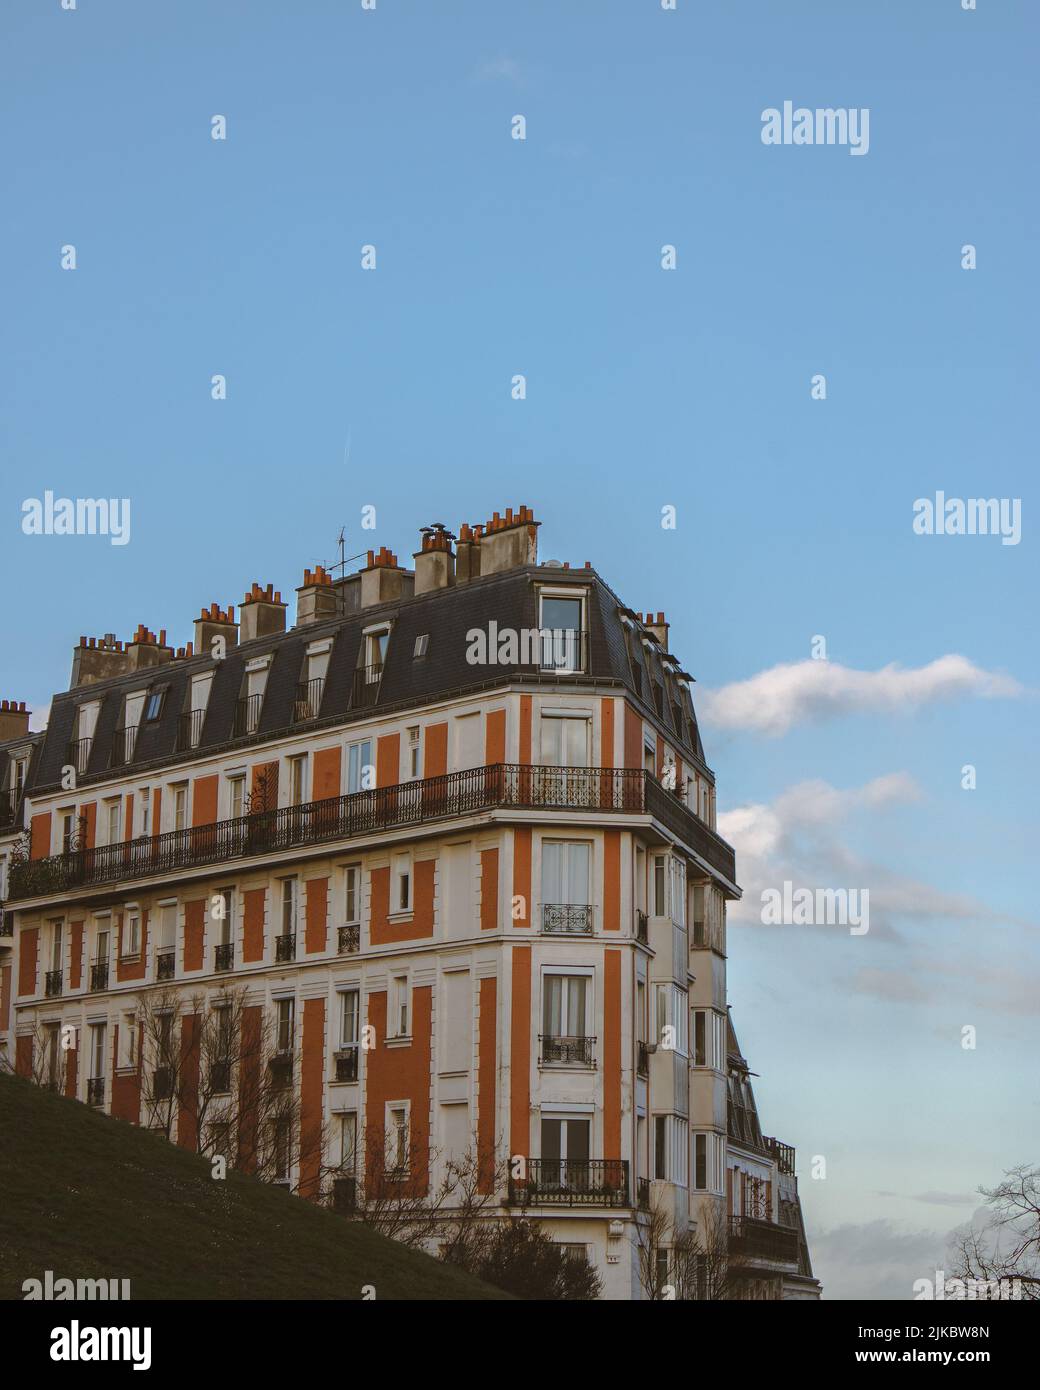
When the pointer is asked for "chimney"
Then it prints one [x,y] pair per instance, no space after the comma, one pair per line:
[263,613]
[434,563]
[467,553]
[383,579]
[658,628]
[145,650]
[14,719]
[509,541]
[213,622]
[97,659]
[315,598]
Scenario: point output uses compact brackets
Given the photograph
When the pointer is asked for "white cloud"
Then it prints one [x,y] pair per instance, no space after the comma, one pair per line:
[774,701]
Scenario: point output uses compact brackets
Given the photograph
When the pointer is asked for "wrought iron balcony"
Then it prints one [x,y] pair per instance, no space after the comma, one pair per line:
[590,1182]
[52,983]
[285,946]
[77,754]
[642,1059]
[751,1239]
[247,716]
[567,919]
[782,1153]
[570,1051]
[124,742]
[475,790]
[95,1090]
[642,927]
[224,956]
[564,650]
[307,704]
[99,976]
[350,940]
[189,729]
[165,965]
[365,687]
[347,1064]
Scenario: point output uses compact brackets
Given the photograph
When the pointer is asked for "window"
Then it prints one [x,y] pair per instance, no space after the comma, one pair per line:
[709,1038]
[400,1000]
[68,831]
[398,1140]
[700,1039]
[561,633]
[21,768]
[709,1163]
[97,1050]
[112,822]
[167,927]
[565,871]
[225,1031]
[128,1037]
[348,1142]
[56,944]
[284,1019]
[699,938]
[650,756]
[133,932]
[361,774]
[402,884]
[422,645]
[236,796]
[565,1142]
[297,781]
[672,1016]
[289,900]
[564,742]
[180,806]
[349,1018]
[660,894]
[679,893]
[144,802]
[414,751]
[352,895]
[226,923]
[375,653]
[154,703]
[565,1006]
[671,1149]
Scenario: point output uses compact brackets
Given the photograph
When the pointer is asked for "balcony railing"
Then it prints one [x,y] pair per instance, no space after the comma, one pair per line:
[307,704]
[77,754]
[247,716]
[477,789]
[563,649]
[52,983]
[224,956]
[99,976]
[642,927]
[596,1182]
[95,1090]
[165,965]
[123,743]
[567,919]
[189,729]
[349,940]
[782,1153]
[571,1051]
[751,1239]
[285,946]
[365,688]
[347,1064]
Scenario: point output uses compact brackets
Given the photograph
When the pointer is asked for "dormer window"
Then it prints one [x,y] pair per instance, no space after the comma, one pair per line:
[375,652]
[562,631]
[154,703]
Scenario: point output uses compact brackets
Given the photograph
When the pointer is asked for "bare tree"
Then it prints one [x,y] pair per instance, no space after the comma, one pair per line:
[691,1264]
[1005,1245]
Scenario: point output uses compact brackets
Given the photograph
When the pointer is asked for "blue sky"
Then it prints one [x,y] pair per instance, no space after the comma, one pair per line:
[645,388]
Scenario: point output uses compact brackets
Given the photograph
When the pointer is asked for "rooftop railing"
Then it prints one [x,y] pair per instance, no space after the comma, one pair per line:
[521,786]
[751,1239]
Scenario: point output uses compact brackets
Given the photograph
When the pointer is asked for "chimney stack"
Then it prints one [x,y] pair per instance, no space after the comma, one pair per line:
[658,627]
[14,719]
[434,563]
[315,598]
[145,650]
[507,541]
[97,659]
[213,622]
[467,553]
[383,580]
[262,613]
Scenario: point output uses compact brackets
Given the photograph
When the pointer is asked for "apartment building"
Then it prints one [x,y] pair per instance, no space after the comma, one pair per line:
[430,877]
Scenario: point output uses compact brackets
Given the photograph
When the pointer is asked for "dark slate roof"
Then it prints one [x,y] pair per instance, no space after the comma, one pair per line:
[446,615]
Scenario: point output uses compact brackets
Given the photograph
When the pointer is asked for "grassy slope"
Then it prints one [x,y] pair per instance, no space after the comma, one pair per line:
[91,1197]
